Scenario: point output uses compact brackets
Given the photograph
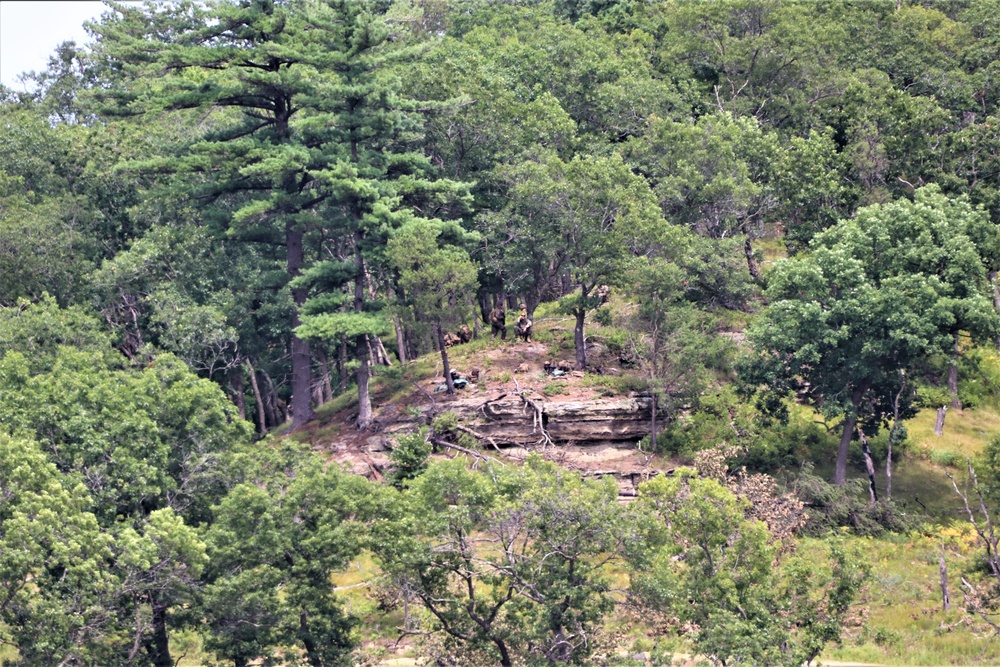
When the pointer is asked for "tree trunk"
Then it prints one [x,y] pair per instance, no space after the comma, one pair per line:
[312,651]
[752,265]
[301,370]
[505,660]
[869,465]
[939,421]
[324,365]
[531,302]
[400,338]
[485,299]
[342,364]
[363,374]
[888,467]
[996,298]
[158,645]
[840,468]
[261,415]
[953,375]
[943,569]
[411,345]
[892,434]
[579,341]
[449,382]
[380,353]
[652,425]
[364,398]
[236,382]
[271,402]
[567,283]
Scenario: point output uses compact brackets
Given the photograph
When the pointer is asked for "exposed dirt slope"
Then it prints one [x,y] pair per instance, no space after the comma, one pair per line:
[522,398]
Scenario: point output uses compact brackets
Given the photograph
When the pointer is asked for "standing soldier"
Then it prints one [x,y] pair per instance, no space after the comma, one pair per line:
[498,322]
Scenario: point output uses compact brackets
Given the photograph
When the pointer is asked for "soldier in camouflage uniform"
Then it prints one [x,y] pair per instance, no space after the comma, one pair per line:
[498,322]
[522,328]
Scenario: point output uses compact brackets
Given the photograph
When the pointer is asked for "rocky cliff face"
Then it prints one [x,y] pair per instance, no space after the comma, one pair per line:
[526,419]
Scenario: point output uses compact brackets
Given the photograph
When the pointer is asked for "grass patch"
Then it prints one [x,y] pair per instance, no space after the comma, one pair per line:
[339,402]
[905,624]
[965,432]
[615,385]
[554,388]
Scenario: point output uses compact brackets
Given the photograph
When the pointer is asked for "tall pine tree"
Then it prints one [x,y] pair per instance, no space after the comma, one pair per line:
[307,141]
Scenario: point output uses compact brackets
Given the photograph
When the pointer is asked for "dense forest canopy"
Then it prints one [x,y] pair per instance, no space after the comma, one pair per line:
[223,215]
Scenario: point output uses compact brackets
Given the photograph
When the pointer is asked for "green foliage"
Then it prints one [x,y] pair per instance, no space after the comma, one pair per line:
[716,569]
[211,188]
[53,558]
[434,269]
[539,591]
[616,338]
[554,388]
[617,385]
[38,330]
[275,541]
[602,316]
[979,378]
[877,297]
[409,457]
[445,422]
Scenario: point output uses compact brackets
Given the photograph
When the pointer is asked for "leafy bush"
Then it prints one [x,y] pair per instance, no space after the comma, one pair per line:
[979,378]
[446,421]
[409,457]
[554,388]
[615,338]
[617,385]
[946,458]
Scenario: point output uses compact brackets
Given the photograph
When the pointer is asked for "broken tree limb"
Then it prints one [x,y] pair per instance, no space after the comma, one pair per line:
[868,464]
[371,466]
[943,569]
[484,408]
[444,443]
[538,425]
[429,396]
[477,435]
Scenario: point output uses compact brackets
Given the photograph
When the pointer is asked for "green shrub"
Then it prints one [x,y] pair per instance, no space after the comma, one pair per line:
[617,385]
[543,336]
[947,459]
[409,457]
[615,338]
[930,396]
[602,316]
[445,422]
[979,378]
[554,388]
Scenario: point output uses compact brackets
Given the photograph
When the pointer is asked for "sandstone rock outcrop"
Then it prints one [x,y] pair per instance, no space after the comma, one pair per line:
[526,419]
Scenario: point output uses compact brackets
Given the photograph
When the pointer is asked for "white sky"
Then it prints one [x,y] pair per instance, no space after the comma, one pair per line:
[30,32]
